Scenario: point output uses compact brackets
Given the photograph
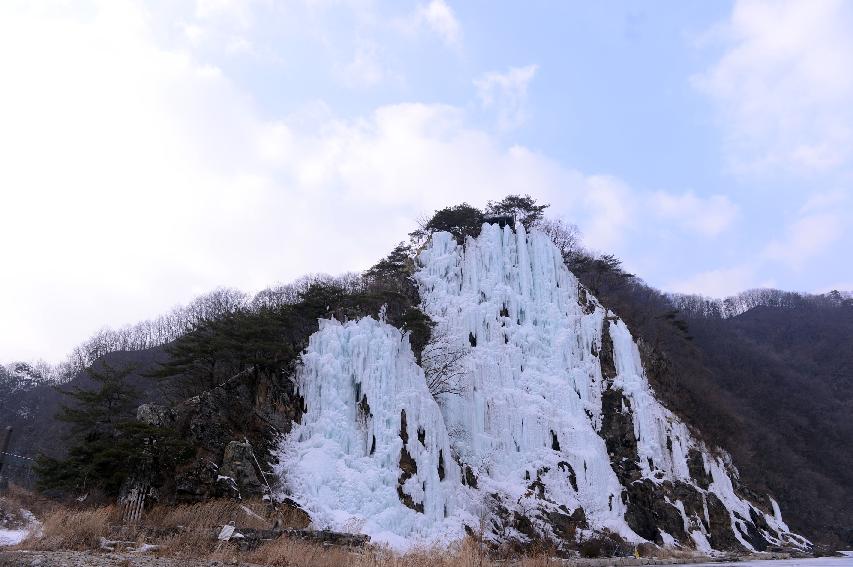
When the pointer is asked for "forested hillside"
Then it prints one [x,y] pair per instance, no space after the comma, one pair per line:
[789,375]
[768,375]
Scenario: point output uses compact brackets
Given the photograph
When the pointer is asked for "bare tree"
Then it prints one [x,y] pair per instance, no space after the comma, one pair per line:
[443,364]
[565,236]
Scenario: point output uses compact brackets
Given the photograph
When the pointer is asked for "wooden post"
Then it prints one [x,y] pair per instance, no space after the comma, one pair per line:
[4,448]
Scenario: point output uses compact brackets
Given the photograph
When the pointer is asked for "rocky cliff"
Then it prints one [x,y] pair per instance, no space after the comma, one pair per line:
[550,434]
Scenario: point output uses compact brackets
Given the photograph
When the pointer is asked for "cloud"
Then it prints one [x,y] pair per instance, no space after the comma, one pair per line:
[365,70]
[823,201]
[706,216]
[137,176]
[783,87]
[806,238]
[440,19]
[506,93]
[722,282]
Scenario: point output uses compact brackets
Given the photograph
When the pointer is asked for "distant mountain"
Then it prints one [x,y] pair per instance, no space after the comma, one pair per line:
[788,373]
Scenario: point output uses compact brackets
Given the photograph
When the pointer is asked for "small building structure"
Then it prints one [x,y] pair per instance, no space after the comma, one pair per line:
[501,220]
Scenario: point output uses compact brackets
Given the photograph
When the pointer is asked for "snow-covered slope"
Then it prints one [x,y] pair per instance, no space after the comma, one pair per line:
[555,433]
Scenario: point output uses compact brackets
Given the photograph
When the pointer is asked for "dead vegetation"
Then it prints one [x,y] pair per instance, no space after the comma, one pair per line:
[189,531]
[15,499]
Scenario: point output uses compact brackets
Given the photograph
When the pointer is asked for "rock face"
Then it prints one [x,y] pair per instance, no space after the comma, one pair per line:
[232,429]
[239,464]
[156,415]
[556,433]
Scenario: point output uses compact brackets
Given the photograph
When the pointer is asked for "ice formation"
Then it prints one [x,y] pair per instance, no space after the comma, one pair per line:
[523,451]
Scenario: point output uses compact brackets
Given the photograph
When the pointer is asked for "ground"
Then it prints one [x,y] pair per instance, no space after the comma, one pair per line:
[89,559]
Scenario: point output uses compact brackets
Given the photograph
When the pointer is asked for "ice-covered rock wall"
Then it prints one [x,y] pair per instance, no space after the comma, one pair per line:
[371,453]
[555,433]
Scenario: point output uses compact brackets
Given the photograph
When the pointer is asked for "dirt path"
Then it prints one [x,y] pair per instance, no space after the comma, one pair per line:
[89,559]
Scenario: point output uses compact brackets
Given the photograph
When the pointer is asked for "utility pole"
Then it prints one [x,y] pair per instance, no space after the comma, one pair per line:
[4,448]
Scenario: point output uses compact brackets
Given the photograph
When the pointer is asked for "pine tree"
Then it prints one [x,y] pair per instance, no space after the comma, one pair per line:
[106,442]
[523,209]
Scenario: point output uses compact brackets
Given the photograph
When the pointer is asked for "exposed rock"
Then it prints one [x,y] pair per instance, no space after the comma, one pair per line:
[238,463]
[199,481]
[470,479]
[693,502]
[649,512]
[573,479]
[584,301]
[617,429]
[751,533]
[564,525]
[608,365]
[408,468]
[720,525]
[156,415]
[252,538]
[696,466]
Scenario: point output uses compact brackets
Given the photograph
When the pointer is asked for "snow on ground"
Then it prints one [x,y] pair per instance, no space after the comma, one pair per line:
[15,536]
[12,537]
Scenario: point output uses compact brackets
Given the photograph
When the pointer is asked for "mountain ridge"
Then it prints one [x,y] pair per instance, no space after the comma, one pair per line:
[372,307]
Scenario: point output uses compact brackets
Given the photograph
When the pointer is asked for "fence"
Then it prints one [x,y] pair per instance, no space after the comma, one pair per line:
[19,470]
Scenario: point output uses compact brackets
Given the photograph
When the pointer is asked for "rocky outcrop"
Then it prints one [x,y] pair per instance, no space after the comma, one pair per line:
[239,463]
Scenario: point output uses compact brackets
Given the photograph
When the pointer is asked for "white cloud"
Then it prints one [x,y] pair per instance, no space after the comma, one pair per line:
[365,70]
[135,177]
[440,18]
[722,282]
[233,13]
[506,93]
[823,201]
[806,238]
[611,204]
[783,86]
[707,216]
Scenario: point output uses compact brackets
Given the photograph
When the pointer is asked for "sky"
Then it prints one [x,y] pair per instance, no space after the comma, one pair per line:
[152,152]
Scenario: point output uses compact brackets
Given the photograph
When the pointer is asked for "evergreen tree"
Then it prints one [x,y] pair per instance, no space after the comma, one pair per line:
[106,443]
[523,209]
[393,271]
[460,221]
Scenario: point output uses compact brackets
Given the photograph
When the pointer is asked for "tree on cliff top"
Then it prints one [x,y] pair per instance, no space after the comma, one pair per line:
[523,209]
[460,221]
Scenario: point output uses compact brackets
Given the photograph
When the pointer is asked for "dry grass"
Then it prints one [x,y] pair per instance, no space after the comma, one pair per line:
[191,528]
[82,529]
[655,552]
[291,552]
[17,498]
[467,553]
[189,531]
[198,524]
[210,514]
[64,528]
